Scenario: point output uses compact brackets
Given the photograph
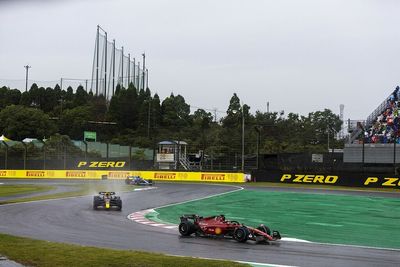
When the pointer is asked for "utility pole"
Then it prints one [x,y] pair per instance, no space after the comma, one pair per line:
[97,59]
[26,78]
[105,65]
[134,76]
[138,76]
[144,69]
[113,68]
[242,138]
[129,68]
[122,68]
[147,78]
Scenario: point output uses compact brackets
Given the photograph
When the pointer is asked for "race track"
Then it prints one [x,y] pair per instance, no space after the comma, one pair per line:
[73,220]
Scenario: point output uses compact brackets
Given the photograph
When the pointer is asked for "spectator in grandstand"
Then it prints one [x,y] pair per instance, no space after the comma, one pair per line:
[385,129]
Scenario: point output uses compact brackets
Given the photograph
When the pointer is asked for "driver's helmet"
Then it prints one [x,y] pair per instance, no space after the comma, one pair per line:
[107,195]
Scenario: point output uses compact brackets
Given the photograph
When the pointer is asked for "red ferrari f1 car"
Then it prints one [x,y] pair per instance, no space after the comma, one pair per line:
[219,226]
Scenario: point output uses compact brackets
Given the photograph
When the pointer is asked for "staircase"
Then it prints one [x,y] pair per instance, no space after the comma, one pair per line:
[184,162]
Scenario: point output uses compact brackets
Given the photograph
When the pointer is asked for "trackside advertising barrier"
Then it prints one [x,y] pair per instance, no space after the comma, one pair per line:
[338,179]
[155,175]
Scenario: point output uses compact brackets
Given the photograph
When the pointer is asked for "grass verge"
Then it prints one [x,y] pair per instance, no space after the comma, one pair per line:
[326,218]
[11,190]
[32,252]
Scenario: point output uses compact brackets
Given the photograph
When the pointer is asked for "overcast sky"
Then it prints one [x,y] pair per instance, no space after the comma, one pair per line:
[299,55]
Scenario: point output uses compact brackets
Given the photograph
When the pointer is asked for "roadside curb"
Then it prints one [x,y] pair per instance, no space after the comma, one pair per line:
[139,217]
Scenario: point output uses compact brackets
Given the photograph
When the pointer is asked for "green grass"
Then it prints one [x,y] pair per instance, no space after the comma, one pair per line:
[32,252]
[11,190]
[327,218]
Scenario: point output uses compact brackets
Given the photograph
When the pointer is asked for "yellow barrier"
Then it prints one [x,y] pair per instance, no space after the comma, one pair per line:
[155,175]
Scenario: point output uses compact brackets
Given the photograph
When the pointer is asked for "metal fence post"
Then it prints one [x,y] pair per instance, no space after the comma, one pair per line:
[130,157]
[65,156]
[394,157]
[86,149]
[25,153]
[44,156]
[5,156]
[107,150]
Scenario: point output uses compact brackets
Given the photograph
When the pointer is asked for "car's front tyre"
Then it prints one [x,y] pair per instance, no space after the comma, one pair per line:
[241,234]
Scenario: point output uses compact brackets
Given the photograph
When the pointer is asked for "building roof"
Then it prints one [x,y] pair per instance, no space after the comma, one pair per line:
[172,143]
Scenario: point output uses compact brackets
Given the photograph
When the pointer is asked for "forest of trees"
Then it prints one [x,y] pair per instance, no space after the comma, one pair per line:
[138,118]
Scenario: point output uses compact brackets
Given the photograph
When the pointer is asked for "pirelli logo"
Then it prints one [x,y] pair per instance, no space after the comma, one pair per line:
[118,174]
[212,177]
[76,174]
[35,174]
[166,175]
[3,173]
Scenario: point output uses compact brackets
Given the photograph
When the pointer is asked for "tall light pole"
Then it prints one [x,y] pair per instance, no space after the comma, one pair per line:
[144,70]
[26,79]
[241,110]
[242,139]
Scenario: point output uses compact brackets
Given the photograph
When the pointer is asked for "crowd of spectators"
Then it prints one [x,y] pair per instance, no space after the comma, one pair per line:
[385,129]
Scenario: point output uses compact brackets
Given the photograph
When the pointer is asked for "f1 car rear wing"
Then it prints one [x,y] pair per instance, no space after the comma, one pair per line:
[104,193]
[186,217]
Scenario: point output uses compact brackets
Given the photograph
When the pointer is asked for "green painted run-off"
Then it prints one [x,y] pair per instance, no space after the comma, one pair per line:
[326,218]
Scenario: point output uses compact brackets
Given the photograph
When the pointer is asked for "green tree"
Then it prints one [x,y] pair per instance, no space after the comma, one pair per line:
[9,97]
[323,122]
[80,97]
[175,112]
[74,122]
[123,108]
[18,122]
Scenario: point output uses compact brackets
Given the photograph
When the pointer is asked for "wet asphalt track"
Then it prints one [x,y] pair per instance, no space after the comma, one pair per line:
[73,220]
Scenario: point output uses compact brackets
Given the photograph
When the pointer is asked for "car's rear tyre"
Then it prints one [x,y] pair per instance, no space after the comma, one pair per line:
[186,228]
[241,234]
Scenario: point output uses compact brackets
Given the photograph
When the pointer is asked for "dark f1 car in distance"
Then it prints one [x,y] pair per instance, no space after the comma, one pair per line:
[219,226]
[107,200]
[137,180]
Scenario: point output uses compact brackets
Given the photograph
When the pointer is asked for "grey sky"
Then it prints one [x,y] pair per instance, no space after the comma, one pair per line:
[300,55]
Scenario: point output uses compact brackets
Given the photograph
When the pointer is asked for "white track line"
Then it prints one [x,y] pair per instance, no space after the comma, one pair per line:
[144,188]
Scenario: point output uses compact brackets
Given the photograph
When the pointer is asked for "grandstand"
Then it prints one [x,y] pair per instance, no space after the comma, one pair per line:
[374,140]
